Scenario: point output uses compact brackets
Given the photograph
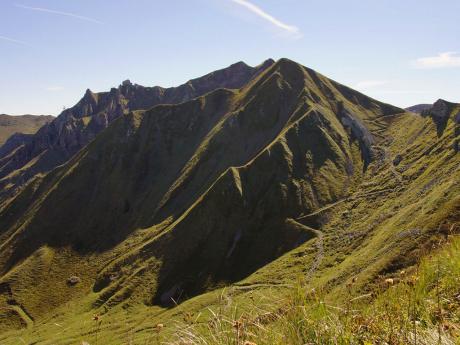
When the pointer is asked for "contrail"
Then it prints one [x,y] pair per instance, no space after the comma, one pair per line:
[9,39]
[268,17]
[67,14]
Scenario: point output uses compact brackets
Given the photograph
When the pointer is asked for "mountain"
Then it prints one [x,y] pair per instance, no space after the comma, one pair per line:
[175,212]
[418,108]
[75,127]
[24,124]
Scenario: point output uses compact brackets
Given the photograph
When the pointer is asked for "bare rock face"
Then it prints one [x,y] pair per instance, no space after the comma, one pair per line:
[441,112]
[358,131]
[75,127]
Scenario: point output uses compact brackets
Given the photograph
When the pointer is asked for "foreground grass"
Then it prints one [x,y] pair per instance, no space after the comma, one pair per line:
[417,306]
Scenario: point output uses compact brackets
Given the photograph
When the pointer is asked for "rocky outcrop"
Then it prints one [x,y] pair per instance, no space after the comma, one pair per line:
[441,112]
[359,132]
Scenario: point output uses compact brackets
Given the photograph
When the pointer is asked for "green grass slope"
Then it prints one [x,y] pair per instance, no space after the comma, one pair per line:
[222,206]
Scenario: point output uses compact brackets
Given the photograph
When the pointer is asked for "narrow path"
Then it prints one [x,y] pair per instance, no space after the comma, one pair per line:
[319,254]
[316,261]
[393,170]
[381,191]
[348,198]
[319,234]
[388,159]
[319,245]
[258,285]
[322,209]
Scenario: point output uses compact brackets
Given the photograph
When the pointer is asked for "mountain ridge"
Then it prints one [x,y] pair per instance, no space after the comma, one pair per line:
[56,142]
[282,96]
[234,193]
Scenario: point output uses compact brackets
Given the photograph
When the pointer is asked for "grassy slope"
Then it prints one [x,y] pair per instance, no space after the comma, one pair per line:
[348,239]
[27,124]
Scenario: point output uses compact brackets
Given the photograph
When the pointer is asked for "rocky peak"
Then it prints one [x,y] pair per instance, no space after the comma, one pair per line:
[239,64]
[268,62]
[128,88]
[440,109]
[88,94]
[440,112]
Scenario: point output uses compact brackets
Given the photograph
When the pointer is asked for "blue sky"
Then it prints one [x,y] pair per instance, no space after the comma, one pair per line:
[399,51]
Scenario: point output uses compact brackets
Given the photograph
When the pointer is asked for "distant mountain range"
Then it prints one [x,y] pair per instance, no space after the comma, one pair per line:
[145,205]
[24,124]
[419,108]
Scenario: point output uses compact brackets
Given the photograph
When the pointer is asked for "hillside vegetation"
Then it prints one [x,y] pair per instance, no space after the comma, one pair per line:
[263,213]
[419,305]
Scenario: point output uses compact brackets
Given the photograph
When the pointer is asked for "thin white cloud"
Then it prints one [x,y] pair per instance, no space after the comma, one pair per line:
[66,14]
[290,29]
[369,84]
[442,60]
[12,40]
